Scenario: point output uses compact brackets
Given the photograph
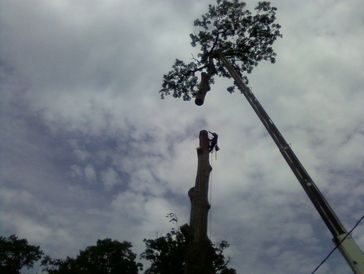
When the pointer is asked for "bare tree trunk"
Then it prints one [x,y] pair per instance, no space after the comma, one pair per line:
[197,245]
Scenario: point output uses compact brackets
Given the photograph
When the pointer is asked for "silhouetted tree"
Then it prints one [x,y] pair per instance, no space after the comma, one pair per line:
[229,29]
[17,253]
[107,257]
[167,255]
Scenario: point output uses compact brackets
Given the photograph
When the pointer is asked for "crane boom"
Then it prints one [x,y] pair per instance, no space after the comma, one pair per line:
[346,244]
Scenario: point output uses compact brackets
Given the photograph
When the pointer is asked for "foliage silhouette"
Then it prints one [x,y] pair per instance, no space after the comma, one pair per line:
[226,29]
[107,257]
[17,253]
[167,254]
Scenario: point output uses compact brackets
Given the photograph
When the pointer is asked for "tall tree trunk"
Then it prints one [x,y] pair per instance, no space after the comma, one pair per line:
[198,244]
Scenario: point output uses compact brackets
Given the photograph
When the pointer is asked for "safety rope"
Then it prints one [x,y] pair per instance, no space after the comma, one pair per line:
[210,201]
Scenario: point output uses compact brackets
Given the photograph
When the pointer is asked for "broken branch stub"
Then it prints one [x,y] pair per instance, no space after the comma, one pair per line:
[203,88]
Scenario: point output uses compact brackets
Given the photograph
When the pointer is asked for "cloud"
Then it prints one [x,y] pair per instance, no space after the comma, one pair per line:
[88,149]
[90,173]
[110,178]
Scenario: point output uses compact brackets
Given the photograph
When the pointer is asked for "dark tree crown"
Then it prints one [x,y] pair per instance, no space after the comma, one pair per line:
[167,254]
[106,257]
[226,29]
[17,253]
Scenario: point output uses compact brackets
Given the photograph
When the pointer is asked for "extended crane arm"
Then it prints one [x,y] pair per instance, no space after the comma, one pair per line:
[348,247]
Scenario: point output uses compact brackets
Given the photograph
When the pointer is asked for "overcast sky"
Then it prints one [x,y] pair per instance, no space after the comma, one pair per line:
[88,149]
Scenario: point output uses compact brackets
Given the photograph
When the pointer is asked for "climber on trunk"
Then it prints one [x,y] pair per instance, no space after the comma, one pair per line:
[213,142]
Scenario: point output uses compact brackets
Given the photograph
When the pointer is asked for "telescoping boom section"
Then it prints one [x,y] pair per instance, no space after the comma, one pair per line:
[346,244]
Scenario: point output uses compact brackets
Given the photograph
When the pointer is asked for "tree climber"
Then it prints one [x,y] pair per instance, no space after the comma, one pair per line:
[213,142]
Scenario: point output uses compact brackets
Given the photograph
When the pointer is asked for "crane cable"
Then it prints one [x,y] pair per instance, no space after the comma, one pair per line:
[333,250]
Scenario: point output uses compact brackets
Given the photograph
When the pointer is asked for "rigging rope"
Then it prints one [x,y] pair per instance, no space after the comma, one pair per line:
[210,201]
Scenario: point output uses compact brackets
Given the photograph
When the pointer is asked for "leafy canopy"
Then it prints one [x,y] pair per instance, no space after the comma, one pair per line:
[17,253]
[107,257]
[229,29]
[167,255]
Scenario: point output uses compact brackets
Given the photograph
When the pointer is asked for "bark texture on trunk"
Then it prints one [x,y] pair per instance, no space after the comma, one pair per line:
[197,245]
